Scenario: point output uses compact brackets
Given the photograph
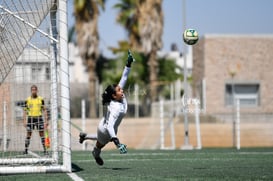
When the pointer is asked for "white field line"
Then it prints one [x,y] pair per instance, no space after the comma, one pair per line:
[74,177]
[34,154]
[142,154]
[255,153]
[133,159]
[127,156]
[169,153]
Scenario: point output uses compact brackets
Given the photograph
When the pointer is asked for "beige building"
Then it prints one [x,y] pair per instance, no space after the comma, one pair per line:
[234,67]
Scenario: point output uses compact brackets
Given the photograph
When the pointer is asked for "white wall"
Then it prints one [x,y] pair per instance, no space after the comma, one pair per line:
[179,60]
[76,68]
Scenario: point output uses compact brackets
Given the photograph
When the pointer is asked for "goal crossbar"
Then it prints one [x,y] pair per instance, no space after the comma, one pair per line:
[28,24]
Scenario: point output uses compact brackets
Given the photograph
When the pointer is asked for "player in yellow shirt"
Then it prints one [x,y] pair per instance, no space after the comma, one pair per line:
[33,117]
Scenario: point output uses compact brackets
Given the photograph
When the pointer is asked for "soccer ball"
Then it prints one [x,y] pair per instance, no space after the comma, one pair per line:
[190,36]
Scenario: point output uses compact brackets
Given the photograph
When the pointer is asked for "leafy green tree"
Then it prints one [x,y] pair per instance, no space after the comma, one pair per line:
[128,18]
[143,21]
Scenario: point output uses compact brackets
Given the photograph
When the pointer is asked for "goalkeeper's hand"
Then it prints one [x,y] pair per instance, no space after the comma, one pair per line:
[130,59]
[122,148]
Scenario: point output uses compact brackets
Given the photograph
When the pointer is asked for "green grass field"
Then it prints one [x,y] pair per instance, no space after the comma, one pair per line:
[205,164]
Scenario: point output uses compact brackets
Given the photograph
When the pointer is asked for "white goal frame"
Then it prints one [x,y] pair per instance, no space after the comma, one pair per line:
[53,165]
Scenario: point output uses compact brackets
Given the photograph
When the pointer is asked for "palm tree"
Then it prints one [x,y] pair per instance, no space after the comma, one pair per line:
[143,20]
[150,30]
[128,18]
[86,13]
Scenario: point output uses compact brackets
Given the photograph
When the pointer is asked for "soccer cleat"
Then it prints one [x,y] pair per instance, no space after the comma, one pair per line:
[82,137]
[98,159]
[25,152]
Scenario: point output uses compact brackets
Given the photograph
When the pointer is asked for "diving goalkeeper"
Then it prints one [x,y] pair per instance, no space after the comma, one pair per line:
[113,97]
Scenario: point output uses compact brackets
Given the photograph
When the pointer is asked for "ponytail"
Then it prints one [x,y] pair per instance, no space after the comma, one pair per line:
[107,94]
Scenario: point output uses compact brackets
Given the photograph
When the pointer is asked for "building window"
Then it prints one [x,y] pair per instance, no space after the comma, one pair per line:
[248,94]
[35,72]
[47,73]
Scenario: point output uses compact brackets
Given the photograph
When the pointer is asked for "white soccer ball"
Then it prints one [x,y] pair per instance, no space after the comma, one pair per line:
[190,36]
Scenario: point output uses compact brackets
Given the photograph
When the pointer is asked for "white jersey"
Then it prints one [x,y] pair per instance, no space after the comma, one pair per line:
[116,110]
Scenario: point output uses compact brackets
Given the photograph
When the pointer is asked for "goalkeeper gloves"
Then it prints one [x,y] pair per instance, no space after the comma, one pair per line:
[122,148]
[130,59]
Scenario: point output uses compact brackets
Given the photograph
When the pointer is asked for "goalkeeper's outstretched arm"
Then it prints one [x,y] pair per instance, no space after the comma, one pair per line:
[126,70]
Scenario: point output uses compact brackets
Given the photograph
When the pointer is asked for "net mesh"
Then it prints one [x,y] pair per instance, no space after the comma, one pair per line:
[18,23]
[28,48]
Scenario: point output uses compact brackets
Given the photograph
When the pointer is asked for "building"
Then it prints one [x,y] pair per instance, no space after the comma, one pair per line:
[78,73]
[178,58]
[234,67]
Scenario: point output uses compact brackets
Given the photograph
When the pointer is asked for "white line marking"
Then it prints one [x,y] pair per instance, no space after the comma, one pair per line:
[255,153]
[200,153]
[74,177]
[141,154]
[34,154]
[128,158]
[141,160]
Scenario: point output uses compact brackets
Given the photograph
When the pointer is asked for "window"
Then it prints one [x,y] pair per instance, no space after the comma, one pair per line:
[35,72]
[248,94]
[47,70]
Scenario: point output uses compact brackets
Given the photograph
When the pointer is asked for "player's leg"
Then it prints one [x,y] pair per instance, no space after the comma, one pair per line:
[96,153]
[103,139]
[27,141]
[29,128]
[40,125]
[83,136]
[42,133]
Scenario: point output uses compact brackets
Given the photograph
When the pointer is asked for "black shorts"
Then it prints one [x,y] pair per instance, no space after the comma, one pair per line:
[33,122]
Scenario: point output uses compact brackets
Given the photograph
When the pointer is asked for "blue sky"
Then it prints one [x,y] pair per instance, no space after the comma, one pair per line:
[206,16]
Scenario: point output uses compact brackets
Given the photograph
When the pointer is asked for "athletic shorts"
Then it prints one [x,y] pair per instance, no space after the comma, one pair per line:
[35,122]
[102,134]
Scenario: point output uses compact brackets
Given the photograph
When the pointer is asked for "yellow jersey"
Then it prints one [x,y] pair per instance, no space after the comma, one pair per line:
[34,106]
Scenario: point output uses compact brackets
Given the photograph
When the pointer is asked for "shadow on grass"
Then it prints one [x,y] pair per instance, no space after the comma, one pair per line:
[76,168]
[116,168]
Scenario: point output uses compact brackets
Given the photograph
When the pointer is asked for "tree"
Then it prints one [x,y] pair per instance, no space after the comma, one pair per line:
[86,13]
[143,20]
[150,31]
[128,18]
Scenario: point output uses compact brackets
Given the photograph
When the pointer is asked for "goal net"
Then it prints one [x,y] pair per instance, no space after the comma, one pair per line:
[33,51]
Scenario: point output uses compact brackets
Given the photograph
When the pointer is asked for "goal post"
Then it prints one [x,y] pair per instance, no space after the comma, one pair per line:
[31,52]
[65,86]
[166,117]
